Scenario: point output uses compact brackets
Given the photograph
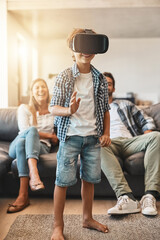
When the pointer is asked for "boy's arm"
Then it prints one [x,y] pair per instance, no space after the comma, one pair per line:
[105,138]
[60,111]
[67,111]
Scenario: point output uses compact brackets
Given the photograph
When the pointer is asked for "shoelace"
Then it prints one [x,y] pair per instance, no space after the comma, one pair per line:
[148,202]
[122,200]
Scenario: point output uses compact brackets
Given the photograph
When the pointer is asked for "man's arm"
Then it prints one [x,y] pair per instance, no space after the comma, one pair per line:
[145,122]
[105,138]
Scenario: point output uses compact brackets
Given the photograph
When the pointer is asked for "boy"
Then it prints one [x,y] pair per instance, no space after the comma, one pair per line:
[80,102]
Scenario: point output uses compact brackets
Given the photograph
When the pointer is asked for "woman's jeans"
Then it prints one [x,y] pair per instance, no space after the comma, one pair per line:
[27,145]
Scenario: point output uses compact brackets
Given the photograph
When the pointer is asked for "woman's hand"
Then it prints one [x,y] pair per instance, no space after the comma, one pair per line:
[54,139]
[51,136]
[105,140]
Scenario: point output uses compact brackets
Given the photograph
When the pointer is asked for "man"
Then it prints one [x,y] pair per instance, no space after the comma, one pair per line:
[127,125]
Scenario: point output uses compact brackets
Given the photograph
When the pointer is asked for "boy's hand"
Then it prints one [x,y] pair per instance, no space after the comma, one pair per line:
[74,105]
[105,140]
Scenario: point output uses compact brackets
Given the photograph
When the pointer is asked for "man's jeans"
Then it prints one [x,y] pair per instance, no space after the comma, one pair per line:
[124,147]
[26,145]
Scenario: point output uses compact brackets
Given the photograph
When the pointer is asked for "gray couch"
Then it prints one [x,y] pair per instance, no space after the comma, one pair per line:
[133,166]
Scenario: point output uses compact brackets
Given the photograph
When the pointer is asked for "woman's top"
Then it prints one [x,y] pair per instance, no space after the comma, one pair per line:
[44,122]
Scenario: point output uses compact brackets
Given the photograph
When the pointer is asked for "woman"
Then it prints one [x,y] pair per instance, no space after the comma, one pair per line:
[36,134]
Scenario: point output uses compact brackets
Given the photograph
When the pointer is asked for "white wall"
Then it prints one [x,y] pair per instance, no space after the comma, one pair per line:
[54,56]
[15,28]
[3,55]
[135,64]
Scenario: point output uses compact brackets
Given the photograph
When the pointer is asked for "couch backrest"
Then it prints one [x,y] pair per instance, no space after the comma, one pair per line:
[154,112]
[8,124]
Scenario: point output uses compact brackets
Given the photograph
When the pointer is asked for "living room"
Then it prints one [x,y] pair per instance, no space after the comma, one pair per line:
[33,44]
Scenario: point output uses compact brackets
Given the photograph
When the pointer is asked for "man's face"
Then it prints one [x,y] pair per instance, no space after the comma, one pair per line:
[111,89]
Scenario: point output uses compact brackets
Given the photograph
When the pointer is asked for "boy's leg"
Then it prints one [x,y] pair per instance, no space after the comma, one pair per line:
[67,157]
[90,173]
[59,203]
[87,193]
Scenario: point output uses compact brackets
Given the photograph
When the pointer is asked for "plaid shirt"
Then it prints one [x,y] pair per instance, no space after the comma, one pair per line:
[135,120]
[63,90]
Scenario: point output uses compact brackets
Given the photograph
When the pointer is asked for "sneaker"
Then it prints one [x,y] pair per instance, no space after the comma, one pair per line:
[125,205]
[148,205]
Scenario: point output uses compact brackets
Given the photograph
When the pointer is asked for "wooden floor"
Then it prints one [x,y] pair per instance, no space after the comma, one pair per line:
[45,206]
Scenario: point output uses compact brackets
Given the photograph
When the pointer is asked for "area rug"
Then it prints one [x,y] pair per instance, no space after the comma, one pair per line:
[126,227]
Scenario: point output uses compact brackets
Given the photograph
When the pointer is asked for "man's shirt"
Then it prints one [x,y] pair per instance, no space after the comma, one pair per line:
[135,120]
[117,127]
[63,90]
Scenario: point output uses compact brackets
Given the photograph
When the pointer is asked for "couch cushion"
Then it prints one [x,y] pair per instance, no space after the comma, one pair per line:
[4,146]
[5,163]
[8,124]
[5,160]
[134,164]
[154,112]
[47,165]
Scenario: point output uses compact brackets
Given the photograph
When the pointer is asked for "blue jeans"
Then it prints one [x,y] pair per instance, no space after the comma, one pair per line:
[27,145]
[89,150]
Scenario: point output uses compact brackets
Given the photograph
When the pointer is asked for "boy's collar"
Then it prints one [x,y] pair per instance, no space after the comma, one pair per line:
[76,71]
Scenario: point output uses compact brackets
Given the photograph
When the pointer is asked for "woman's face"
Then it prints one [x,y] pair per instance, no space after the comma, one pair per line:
[40,92]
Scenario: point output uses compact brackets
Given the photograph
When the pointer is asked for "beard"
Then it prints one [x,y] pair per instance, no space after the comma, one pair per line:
[109,94]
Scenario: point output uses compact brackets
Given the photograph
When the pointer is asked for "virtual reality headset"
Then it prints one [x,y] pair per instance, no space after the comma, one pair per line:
[90,43]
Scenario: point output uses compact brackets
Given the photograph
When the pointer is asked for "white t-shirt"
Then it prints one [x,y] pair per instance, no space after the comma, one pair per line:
[83,122]
[117,127]
[44,122]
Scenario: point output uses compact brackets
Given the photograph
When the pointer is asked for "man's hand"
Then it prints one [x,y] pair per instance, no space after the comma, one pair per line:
[147,131]
[54,139]
[105,140]
[74,105]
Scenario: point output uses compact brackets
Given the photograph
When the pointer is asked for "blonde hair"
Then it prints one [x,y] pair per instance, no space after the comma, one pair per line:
[33,104]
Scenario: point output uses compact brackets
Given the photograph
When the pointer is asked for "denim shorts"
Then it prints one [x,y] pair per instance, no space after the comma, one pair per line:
[90,164]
